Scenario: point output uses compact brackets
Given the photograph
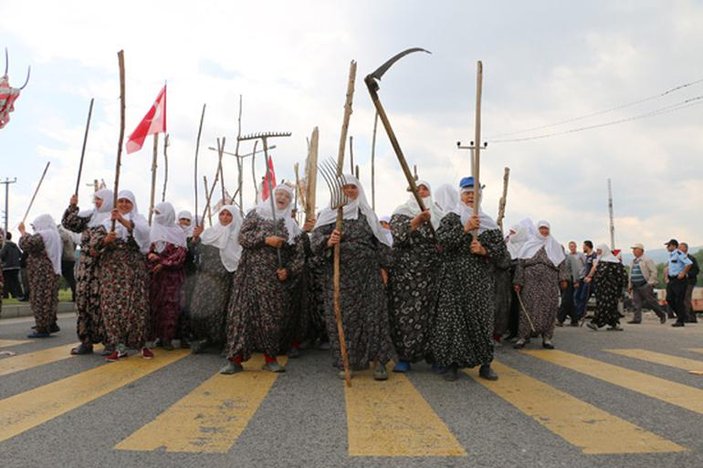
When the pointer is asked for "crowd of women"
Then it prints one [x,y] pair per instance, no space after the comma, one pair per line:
[441,285]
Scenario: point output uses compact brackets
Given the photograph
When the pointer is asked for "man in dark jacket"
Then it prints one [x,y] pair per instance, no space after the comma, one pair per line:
[10,256]
[692,277]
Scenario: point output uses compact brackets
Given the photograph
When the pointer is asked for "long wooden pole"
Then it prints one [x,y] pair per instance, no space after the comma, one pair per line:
[311,176]
[220,153]
[197,149]
[163,194]
[85,141]
[504,198]
[118,164]
[373,163]
[240,161]
[351,154]
[477,139]
[610,215]
[207,210]
[26,213]
[154,161]
[336,276]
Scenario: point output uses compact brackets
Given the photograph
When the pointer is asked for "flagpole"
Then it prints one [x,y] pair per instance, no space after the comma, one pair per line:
[120,60]
[153,175]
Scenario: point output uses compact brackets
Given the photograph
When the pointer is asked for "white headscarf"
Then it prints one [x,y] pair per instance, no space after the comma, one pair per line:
[141,231]
[263,209]
[189,216]
[226,238]
[98,215]
[554,250]
[411,209]
[606,254]
[351,211]
[465,211]
[164,230]
[519,234]
[45,226]
[386,231]
[446,197]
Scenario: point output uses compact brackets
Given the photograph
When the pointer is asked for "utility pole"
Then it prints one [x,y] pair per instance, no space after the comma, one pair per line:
[7,183]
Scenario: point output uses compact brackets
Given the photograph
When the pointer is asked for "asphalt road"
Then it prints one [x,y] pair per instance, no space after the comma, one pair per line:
[601,399]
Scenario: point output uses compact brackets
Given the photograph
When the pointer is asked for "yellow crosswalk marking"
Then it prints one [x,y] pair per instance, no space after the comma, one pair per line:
[387,419]
[37,358]
[659,358]
[696,350]
[27,410]
[577,422]
[210,418]
[670,392]
[8,343]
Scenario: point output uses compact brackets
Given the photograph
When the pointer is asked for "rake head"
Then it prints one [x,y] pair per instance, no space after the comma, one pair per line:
[260,135]
[329,171]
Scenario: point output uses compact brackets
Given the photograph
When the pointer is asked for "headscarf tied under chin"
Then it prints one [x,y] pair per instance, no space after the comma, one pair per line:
[606,254]
[263,209]
[351,211]
[226,238]
[45,226]
[140,233]
[411,209]
[98,215]
[185,214]
[165,230]
[518,235]
[465,211]
[554,250]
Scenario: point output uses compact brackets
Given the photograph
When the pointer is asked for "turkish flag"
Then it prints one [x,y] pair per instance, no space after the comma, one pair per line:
[270,175]
[153,122]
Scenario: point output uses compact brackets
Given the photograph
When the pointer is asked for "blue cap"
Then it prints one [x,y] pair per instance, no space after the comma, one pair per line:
[466,182]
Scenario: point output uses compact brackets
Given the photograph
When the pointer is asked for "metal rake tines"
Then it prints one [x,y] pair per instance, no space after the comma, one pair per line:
[254,136]
[328,170]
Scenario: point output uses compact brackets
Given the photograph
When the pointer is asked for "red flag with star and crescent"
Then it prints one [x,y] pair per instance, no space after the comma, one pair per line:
[270,174]
[153,122]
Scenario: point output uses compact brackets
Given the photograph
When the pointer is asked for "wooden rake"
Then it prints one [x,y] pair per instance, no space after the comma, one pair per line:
[329,170]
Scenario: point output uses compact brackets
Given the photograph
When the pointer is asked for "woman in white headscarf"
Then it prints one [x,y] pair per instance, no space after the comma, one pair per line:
[218,252]
[165,261]
[44,269]
[260,304]
[187,222]
[463,324]
[507,304]
[541,272]
[86,222]
[365,261]
[610,280]
[124,278]
[413,279]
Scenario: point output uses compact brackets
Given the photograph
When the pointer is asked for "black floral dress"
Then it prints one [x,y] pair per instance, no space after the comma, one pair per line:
[89,325]
[43,282]
[610,279]
[364,302]
[463,323]
[208,307]
[260,306]
[412,288]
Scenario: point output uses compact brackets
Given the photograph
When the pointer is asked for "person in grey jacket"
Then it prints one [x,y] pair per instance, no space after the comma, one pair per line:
[642,279]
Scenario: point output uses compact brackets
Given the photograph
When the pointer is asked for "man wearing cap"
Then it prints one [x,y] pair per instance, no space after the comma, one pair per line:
[677,267]
[691,278]
[643,277]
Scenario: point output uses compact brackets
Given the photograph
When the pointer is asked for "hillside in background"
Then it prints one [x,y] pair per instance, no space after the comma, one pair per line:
[658,255]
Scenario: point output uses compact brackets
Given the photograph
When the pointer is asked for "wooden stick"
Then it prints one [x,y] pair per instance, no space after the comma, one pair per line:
[197,148]
[311,176]
[477,140]
[154,157]
[118,164]
[207,211]
[336,274]
[85,141]
[373,163]
[240,162]
[503,199]
[220,153]
[163,194]
[26,213]
[253,171]
[351,154]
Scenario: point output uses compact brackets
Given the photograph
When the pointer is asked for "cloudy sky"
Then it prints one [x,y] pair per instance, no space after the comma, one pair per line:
[545,62]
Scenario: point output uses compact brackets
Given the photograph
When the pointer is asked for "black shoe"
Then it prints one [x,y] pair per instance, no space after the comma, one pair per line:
[54,328]
[519,344]
[592,326]
[662,319]
[547,344]
[634,322]
[677,324]
[452,374]
[82,349]
[485,372]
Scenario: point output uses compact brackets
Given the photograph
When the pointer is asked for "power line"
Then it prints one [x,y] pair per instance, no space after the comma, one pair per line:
[601,112]
[662,110]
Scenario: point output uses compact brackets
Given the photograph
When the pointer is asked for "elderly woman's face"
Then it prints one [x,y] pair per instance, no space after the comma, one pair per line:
[124,205]
[98,202]
[225,217]
[599,252]
[185,222]
[467,197]
[544,230]
[282,199]
[351,191]
[423,191]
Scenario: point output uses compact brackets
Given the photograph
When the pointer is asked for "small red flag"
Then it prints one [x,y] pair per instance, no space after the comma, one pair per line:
[153,122]
[270,175]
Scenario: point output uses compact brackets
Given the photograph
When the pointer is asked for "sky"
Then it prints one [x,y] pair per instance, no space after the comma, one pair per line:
[576,64]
